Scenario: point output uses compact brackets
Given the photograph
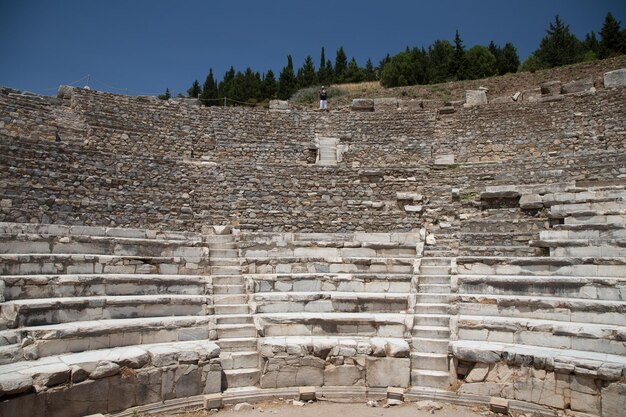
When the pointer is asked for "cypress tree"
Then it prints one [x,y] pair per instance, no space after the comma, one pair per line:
[322,74]
[166,96]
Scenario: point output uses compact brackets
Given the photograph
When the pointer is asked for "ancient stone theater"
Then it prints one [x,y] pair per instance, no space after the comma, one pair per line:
[156,255]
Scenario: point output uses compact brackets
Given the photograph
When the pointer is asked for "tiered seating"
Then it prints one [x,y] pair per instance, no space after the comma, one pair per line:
[74,294]
[570,304]
[333,290]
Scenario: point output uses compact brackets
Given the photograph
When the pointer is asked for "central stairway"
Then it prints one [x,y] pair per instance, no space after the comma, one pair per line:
[431,330]
[236,333]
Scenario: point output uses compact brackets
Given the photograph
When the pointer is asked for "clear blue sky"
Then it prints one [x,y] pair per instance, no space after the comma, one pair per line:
[148,45]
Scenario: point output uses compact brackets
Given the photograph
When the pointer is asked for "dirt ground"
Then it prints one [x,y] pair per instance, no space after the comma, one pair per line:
[331,409]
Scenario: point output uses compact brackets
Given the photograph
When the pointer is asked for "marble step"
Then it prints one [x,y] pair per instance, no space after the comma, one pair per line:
[434,288]
[434,270]
[435,261]
[429,378]
[225,270]
[429,345]
[226,299]
[442,320]
[224,253]
[431,332]
[234,319]
[239,360]
[228,279]
[431,308]
[228,289]
[240,344]
[236,331]
[224,309]
[430,361]
[434,279]
[237,378]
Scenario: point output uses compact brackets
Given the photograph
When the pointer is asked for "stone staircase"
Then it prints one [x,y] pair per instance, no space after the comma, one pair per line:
[431,330]
[236,332]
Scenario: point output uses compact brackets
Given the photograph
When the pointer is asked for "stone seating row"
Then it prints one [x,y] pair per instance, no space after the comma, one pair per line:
[583,336]
[109,380]
[46,264]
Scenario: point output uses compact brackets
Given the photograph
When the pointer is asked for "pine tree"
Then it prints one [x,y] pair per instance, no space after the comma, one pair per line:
[440,56]
[353,73]
[308,77]
[330,72]
[287,80]
[480,63]
[166,96]
[341,64]
[369,71]
[508,60]
[591,44]
[269,85]
[209,90]
[195,90]
[613,41]
[559,46]
[226,86]
[459,61]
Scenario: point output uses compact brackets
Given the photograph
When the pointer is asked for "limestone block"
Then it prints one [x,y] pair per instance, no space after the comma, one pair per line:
[551,88]
[344,375]
[104,369]
[615,78]
[86,398]
[397,348]
[50,375]
[478,373]
[614,397]
[388,372]
[475,97]
[14,383]
[578,86]
[362,104]
[212,401]
[446,159]
[530,202]
[31,405]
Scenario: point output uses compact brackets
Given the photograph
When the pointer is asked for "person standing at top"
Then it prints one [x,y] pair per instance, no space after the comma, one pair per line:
[323,99]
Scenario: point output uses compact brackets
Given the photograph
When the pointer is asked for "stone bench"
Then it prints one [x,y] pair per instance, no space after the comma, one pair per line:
[381,283]
[330,249]
[334,361]
[542,266]
[578,287]
[585,382]
[615,219]
[334,324]
[43,311]
[51,286]
[331,265]
[605,366]
[560,211]
[547,308]
[602,338]
[40,264]
[109,380]
[329,302]
[95,231]
[97,245]
[29,343]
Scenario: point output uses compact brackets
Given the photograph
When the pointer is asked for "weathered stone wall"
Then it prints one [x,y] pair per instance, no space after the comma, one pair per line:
[142,162]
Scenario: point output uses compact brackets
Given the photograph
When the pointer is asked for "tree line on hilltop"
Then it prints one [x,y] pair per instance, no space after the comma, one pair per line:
[440,62]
